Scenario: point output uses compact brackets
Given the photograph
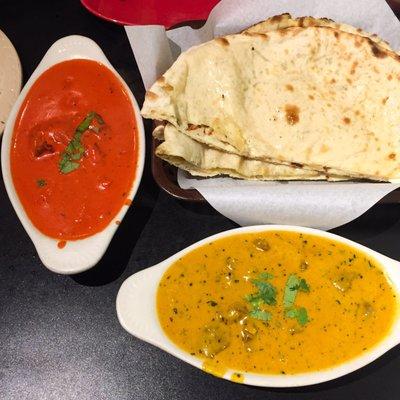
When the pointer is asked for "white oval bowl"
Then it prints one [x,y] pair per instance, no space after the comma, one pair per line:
[77,255]
[137,313]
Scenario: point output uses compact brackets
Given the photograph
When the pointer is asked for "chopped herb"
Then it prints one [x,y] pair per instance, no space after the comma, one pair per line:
[266,291]
[255,300]
[265,275]
[298,313]
[266,295]
[303,286]
[293,285]
[260,314]
[41,183]
[74,151]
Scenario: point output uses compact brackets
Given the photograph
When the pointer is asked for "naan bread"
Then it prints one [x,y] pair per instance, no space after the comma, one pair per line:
[315,96]
[200,160]
[287,21]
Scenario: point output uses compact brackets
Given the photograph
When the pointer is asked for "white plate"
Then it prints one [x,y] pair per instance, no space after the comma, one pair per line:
[137,313]
[78,255]
[10,78]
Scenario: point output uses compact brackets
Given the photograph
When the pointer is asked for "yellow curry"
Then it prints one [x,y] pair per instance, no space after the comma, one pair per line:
[275,302]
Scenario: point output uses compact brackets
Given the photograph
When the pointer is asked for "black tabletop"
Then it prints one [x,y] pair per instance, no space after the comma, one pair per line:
[59,335]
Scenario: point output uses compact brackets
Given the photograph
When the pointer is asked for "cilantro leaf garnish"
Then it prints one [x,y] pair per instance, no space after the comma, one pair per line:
[74,151]
[293,285]
[266,295]
[265,275]
[303,286]
[260,314]
[266,291]
[298,313]
[255,300]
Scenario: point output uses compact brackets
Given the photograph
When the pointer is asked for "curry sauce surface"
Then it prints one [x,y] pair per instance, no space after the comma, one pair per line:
[203,303]
[72,205]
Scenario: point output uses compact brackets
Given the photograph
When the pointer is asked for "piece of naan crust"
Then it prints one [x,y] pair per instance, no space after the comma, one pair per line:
[287,21]
[315,96]
[200,160]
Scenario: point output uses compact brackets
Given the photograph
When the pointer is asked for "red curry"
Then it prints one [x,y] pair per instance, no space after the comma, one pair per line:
[74,150]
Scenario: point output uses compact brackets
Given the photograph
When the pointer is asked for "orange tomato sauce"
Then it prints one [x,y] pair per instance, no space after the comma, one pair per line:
[80,203]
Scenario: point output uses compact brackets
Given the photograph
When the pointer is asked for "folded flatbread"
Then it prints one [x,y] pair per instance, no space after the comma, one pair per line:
[201,160]
[309,95]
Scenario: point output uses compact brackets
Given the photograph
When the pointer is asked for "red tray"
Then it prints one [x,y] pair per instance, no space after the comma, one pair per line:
[146,12]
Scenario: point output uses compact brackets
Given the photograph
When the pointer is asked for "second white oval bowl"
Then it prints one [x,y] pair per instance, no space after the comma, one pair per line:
[77,255]
[137,312]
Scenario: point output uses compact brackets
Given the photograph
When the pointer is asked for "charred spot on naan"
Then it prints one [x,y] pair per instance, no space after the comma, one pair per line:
[376,50]
[292,114]
[223,41]
[279,18]
[168,88]
[296,165]
[276,20]
[283,32]
[151,96]
[262,36]
[289,87]
[353,67]
[206,129]
[163,84]
[326,20]
[192,127]
[304,22]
